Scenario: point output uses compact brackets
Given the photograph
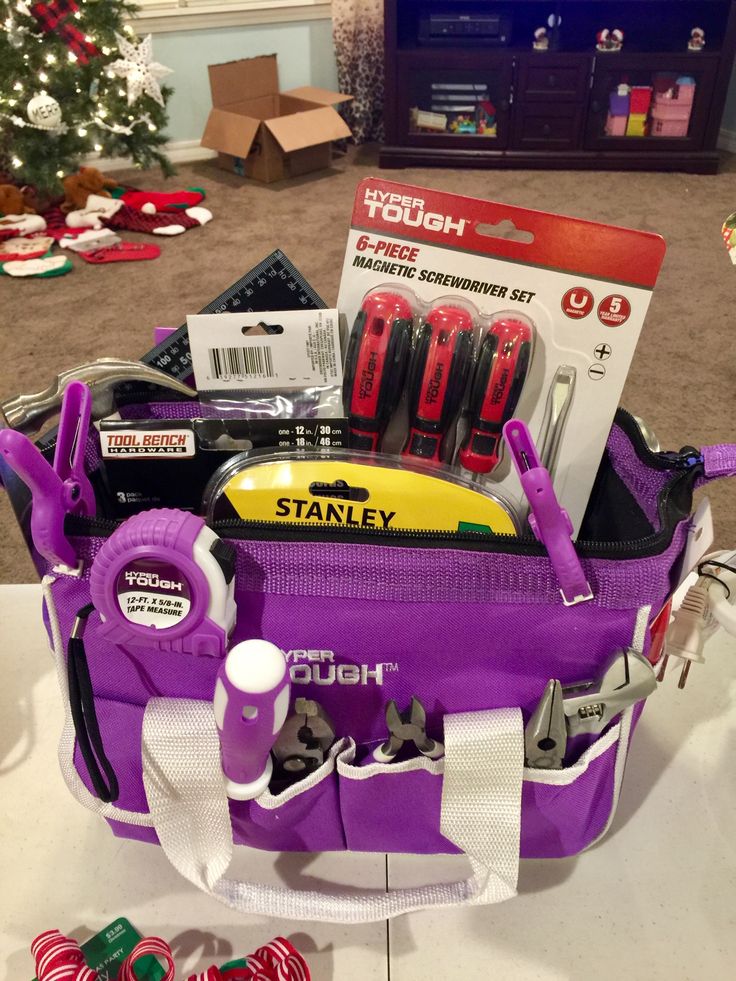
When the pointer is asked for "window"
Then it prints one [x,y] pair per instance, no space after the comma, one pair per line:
[178,15]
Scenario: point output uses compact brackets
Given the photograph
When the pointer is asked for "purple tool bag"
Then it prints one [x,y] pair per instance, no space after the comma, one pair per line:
[474,626]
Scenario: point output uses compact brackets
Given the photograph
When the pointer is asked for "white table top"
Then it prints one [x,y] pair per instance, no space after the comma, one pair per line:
[656,899]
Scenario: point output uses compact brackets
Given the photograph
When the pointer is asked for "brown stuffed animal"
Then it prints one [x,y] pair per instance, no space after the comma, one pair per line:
[13,202]
[78,187]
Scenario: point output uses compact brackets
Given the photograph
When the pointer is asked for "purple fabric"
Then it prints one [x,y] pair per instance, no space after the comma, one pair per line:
[645,484]
[719,460]
[461,649]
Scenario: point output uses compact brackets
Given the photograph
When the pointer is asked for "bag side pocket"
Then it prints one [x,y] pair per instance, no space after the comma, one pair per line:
[566,811]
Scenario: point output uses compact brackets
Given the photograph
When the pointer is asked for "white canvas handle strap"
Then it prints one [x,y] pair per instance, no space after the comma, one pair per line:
[481,813]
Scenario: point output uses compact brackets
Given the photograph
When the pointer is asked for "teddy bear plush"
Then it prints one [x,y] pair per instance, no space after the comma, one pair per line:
[78,187]
[13,201]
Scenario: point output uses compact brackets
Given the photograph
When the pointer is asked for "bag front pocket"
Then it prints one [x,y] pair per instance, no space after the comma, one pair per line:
[303,818]
[392,807]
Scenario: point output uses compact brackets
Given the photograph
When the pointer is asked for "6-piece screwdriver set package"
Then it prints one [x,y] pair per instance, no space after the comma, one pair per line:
[490,311]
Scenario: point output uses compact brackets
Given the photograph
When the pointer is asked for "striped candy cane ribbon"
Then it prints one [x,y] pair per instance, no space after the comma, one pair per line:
[151,946]
[58,958]
[277,961]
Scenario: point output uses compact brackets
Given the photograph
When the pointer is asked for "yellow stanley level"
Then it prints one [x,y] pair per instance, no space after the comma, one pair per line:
[353,490]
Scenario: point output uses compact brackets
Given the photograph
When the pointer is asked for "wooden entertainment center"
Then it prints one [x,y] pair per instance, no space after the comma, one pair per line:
[464,86]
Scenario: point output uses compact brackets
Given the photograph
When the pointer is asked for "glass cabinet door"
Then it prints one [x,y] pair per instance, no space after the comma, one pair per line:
[649,101]
[464,105]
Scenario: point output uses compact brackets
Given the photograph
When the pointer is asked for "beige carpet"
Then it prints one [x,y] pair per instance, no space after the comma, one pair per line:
[683,380]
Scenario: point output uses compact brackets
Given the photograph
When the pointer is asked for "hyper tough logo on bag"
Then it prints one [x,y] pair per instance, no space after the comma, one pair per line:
[320,668]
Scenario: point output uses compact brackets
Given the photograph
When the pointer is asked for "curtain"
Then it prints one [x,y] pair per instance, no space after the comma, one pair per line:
[357,29]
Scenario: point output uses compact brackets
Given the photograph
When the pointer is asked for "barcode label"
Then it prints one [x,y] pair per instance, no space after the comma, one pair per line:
[285,349]
[241,362]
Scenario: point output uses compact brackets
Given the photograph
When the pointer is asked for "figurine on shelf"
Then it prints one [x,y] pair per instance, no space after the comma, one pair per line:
[554,23]
[485,118]
[606,40]
[541,41]
[697,39]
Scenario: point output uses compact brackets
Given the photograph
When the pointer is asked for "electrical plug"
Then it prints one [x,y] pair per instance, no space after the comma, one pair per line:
[692,625]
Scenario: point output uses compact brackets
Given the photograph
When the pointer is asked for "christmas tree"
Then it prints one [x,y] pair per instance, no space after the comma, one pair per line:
[74,80]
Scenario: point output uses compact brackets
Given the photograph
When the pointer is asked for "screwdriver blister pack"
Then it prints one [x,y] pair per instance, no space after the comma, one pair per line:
[468,312]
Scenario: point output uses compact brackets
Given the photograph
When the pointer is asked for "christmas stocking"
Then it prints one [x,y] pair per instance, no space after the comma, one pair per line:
[131,220]
[44,268]
[13,225]
[153,202]
[13,249]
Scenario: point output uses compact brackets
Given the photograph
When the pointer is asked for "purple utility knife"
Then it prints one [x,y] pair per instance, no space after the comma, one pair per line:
[550,523]
[59,490]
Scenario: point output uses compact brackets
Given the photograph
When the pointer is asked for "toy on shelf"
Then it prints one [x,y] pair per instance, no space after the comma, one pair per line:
[618,110]
[423,121]
[554,22]
[673,104]
[463,124]
[541,40]
[697,39]
[640,99]
[485,118]
[636,124]
[610,41]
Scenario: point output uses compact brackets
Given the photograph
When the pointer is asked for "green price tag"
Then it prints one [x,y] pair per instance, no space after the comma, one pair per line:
[107,950]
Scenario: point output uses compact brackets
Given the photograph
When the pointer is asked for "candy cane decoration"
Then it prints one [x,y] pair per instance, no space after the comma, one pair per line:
[58,958]
[145,948]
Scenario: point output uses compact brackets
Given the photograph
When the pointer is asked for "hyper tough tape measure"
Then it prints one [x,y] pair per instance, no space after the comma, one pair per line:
[164,579]
[274,284]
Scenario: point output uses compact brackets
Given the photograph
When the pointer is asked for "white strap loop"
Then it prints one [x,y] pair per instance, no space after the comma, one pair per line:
[481,806]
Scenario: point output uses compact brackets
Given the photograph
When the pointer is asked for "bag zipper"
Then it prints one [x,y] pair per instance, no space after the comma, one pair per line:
[687,462]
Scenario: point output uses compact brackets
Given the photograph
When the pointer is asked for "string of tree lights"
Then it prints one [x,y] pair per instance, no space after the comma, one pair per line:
[75,80]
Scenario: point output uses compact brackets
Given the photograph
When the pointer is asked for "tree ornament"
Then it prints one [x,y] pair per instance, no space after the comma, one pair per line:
[44,112]
[139,71]
[15,31]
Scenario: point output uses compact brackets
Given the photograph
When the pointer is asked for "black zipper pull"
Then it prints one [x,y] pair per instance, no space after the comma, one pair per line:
[687,458]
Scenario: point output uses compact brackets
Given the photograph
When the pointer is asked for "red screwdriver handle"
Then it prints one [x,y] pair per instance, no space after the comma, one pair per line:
[503,364]
[375,366]
[438,377]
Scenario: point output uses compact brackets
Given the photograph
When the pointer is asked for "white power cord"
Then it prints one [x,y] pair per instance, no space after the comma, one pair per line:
[708,604]
[723,590]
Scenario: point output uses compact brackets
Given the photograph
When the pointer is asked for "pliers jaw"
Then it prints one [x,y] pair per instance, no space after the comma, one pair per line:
[407,726]
[545,736]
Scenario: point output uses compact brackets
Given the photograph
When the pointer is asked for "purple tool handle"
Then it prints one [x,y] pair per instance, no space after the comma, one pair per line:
[550,523]
[59,490]
[251,703]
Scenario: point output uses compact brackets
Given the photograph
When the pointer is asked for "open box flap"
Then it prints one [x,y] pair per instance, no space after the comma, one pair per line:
[248,78]
[323,97]
[230,132]
[303,129]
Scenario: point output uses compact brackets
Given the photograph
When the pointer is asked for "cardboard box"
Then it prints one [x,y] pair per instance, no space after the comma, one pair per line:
[266,134]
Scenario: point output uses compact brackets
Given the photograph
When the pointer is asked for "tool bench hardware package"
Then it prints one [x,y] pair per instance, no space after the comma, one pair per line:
[471,624]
